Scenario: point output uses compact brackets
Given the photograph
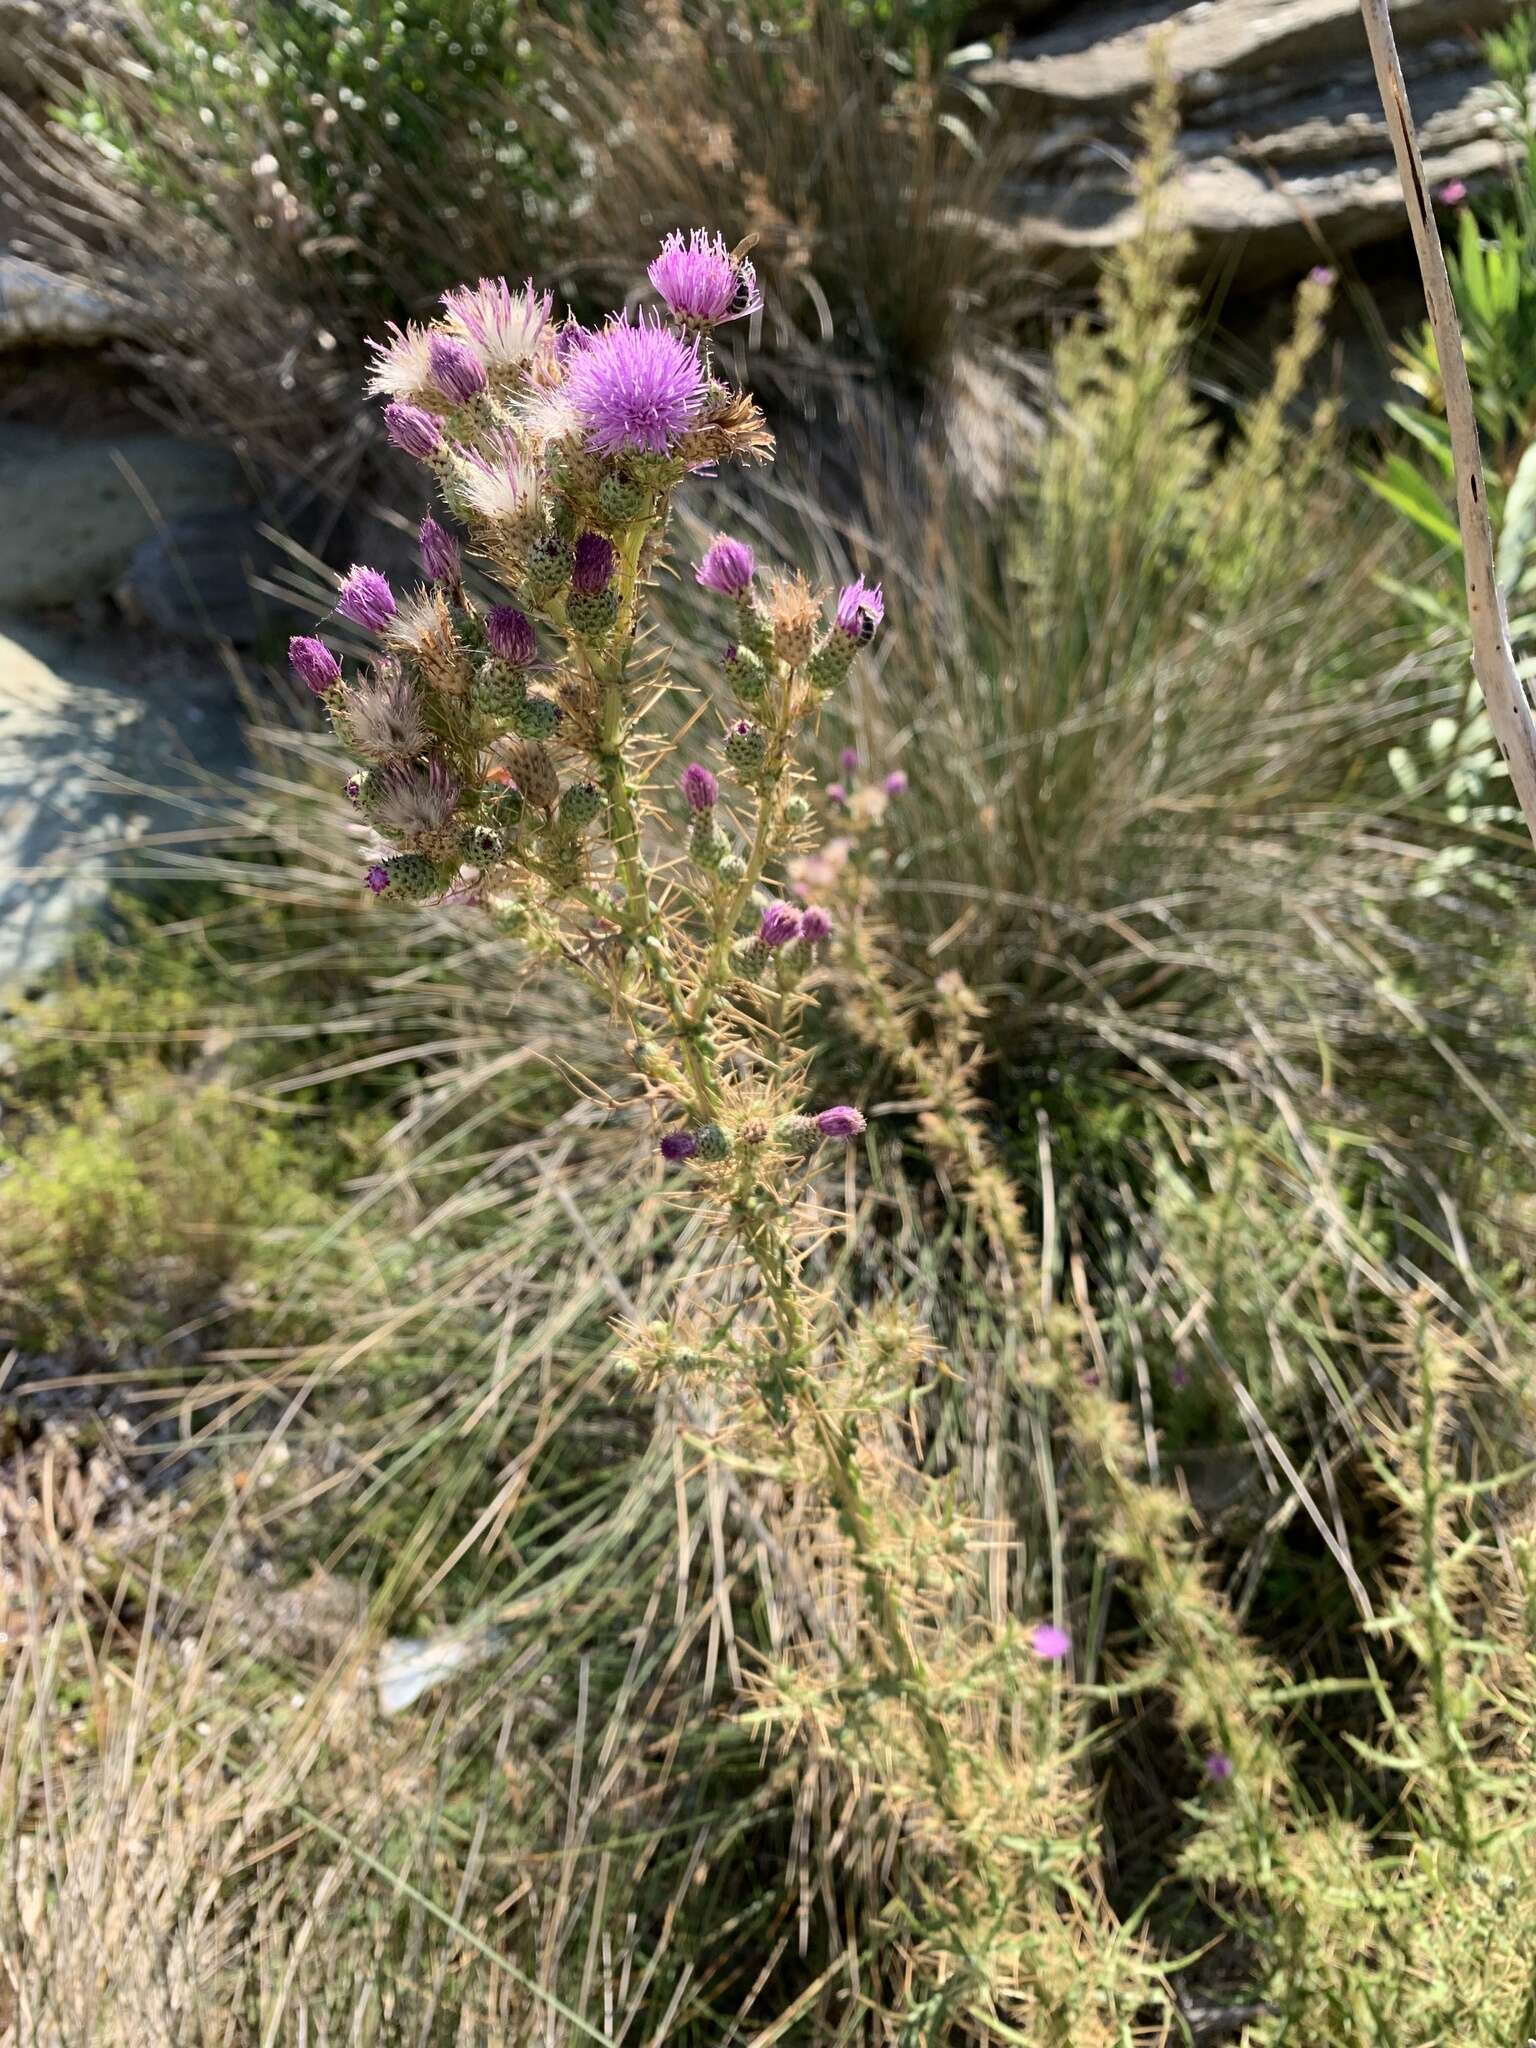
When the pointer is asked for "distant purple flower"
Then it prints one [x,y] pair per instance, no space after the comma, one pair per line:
[1452,194]
[860,608]
[1218,1766]
[841,1122]
[366,599]
[1050,1643]
[1320,273]
[505,326]
[634,385]
[701,282]
[815,925]
[511,635]
[592,568]
[377,879]
[1178,1377]
[779,923]
[896,782]
[313,663]
[836,793]
[728,566]
[677,1146]
[848,760]
[456,369]
[413,429]
[439,553]
[699,787]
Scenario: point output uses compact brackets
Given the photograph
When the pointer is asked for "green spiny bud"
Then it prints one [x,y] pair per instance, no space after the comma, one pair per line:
[732,869]
[754,628]
[536,718]
[746,747]
[579,805]
[797,1135]
[482,844]
[406,878]
[713,1144]
[707,844]
[829,665]
[745,673]
[620,500]
[653,472]
[796,810]
[548,569]
[498,693]
[592,614]
[751,956]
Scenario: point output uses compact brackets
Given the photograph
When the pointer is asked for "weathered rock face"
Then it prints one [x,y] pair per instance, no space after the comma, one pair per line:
[1287,160]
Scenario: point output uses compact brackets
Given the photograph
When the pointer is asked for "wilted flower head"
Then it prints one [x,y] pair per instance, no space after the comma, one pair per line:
[409,802]
[511,635]
[700,789]
[896,782]
[702,282]
[499,482]
[592,567]
[366,599]
[728,566]
[815,925]
[860,608]
[382,717]
[841,1122]
[439,553]
[677,1146]
[401,366]
[313,663]
[413,429]
[779,923]
[634,385]
[457,371]
[1050,1643]
[504,325]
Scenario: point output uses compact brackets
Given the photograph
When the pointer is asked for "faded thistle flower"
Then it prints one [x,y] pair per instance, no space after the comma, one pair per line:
[795,616]
[401,367]
[501,484]
[841,1122]
[634,386]
[701,791]
[702,283]
[366,599]
[727,566]
[506,326]
[382,717]
[423,628]
[410,802]
[313,663]
[457,370]
[440,554]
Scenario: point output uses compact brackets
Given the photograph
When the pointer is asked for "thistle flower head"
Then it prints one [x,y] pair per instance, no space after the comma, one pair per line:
[511,635]
[860,608]
[592,569]
[848,760]
[413,429]
[439,553]
[702,282]
[457,370]
[506,326]
[677,1146]
[366,599]
[377,879]
[1049,1643]
[383,717]
[1453,193]
[815,925]
[837,793]
[1218,1766]
[896,782]
[779,923]
[313,663]
[401,366]
[634,385]
[499,482]
[727,566]
[409,802]
[700,788]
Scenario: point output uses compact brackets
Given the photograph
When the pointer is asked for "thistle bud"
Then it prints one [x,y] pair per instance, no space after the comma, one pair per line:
[509,634]
[745,673]
[313,663]
[700,790]
[535,718]
[406,878]
[840,1122]
[796,810]
[592,615]
[620,501]
[732,869]
[498,694]
[548,570]
[413,430]
[579,805]
[592,564]
[481,844]
[712,1144]
[799,1136]
[828,667]
[534,774]
[457,371]
[440,554]
[746,747]
[365,599]
[707,844]
[676,1146]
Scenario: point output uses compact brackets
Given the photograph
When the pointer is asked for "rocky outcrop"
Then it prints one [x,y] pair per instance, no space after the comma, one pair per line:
[1287,160]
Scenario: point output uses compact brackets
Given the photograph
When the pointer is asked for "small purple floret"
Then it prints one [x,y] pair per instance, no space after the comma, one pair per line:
[592,565]
[313,663]
[1453,193]
[635,385]
[677,1146]
[841,1122]
[1050,1643]
[836,793]
[779,923]
[848,760]
[366,599]
[701,282]
[699,786]
[440,553]
[511,635]
[860,608]
[377,879]
[413,429]
[728,566]
[1218,1766]
[815,925]
[896,782]
[456,370]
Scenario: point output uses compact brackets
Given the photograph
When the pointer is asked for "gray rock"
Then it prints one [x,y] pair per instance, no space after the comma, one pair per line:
[101,746]
[1287,159]
[41,310]
[74,512]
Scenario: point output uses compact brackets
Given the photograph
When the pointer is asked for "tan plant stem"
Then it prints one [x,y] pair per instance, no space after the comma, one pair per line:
[1493,660]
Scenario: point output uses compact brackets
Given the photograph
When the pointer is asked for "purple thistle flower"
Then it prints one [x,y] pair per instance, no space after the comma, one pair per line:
[570,339]
[1453,193]
[1050,1643]
[677,1146]
[511,635]
[506,326]
[841,1122]
[848,760]
[377,879]
[815,925]
[779,923]
[592,568]
[836,793]
[702,282]
[457,371]
[1218,1766]
[699,787]
[634,385]
[1321,274]
[728,566]
[366,599]
[313,663]
[860,608]
[439,553]
[413,429]
[896,782]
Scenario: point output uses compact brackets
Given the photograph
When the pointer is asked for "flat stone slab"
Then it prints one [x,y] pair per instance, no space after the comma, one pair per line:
[97,736]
